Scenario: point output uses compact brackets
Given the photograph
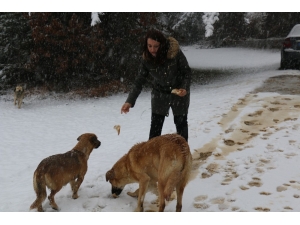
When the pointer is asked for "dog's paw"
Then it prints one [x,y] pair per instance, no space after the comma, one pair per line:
[115,196]
[139,209]
[40,209]
[133,194]
[54,206]
[75,196]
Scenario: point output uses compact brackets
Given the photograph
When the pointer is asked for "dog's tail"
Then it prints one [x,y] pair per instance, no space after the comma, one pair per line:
[171,184]
[179,177]
[39,185]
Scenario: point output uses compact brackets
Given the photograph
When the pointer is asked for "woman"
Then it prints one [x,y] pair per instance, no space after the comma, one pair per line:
[163,60]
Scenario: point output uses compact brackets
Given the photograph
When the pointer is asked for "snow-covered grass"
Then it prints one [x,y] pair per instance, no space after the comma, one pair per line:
[245,147]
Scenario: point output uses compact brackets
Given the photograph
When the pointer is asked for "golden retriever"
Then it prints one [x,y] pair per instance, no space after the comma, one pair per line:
[164,162]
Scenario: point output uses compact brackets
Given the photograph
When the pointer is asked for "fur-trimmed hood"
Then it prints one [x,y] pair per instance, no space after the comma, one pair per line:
[173,49]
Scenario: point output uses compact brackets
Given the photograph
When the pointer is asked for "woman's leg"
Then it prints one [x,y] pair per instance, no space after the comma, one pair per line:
[182,126]
[157,122]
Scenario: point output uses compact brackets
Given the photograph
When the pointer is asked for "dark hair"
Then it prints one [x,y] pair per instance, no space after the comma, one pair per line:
[161,55]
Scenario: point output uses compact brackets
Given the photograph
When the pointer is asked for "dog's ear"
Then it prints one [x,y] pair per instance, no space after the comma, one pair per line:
[94,139]
[15,89]
[110,174]
[78,139]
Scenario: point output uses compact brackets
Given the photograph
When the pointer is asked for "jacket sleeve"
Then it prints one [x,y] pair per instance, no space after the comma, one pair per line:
[137,87]
[184,70]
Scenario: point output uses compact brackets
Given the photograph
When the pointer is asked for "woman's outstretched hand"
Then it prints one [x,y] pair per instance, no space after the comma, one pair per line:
[182,92]
[125,108]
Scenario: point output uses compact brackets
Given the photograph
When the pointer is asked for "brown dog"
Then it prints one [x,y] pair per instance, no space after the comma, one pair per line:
[61,169]
[164,161]
[18,95]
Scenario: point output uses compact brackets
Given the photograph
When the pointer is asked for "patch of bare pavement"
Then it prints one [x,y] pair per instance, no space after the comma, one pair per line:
[239,128]
[284,85]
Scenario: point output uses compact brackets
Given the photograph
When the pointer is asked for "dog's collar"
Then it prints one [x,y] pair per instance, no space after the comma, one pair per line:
[75,150]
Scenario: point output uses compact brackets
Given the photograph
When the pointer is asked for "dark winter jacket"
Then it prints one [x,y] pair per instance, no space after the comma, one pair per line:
[174,73]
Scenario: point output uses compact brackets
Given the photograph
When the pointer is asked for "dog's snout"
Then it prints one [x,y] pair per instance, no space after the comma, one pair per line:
[98,144]
[116,190]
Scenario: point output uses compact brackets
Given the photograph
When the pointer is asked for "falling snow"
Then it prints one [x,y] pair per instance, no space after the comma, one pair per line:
[244,160]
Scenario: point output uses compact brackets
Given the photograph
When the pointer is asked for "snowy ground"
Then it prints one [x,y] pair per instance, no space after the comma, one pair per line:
[244,144]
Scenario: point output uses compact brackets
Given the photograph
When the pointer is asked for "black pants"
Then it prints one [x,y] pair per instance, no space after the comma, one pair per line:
[157,122]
